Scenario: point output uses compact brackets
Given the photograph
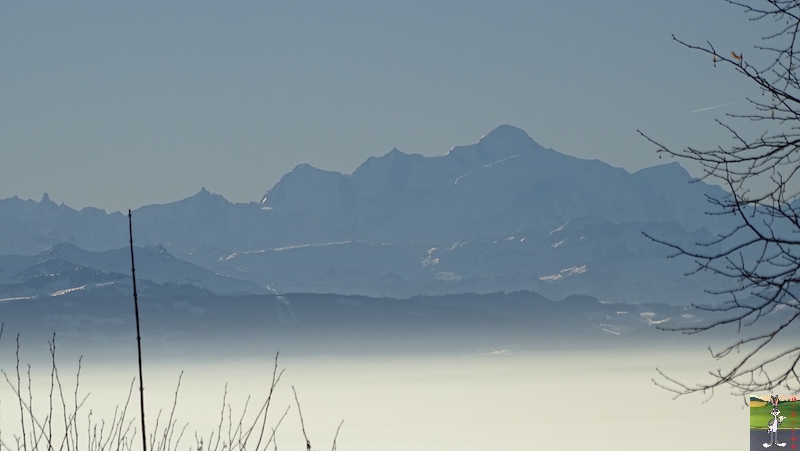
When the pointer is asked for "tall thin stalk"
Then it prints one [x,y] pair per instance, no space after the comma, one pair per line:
[138,335]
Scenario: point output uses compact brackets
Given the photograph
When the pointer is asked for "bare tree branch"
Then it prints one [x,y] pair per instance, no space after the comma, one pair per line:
[761,174]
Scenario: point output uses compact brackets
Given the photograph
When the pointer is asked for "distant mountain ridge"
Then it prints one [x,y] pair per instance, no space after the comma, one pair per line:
[66,268]
[502,214]
[503,183]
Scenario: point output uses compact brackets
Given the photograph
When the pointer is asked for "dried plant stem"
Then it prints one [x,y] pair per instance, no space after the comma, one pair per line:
[265,409]
[302,423]
[21,402]
[333,448]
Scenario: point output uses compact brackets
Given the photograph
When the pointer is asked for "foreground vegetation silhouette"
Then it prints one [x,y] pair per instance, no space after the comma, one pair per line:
[63,422]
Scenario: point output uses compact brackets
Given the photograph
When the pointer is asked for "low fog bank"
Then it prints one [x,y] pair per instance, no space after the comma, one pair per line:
[467,373]
[496,400]
[210,327]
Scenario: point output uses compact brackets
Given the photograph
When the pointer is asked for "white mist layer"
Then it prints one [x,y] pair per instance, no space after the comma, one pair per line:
[466,402]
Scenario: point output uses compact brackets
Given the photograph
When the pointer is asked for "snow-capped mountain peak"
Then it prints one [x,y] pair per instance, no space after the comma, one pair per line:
[508,136]
[396,207]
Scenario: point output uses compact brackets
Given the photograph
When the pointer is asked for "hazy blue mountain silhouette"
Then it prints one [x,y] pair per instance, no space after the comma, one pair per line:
[66,268]
[502,184]
[502,214]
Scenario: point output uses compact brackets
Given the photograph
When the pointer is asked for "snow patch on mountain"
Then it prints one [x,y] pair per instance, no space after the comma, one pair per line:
[448,276]
[430,260]
[68,290]
[455,182]
[559,228]
[564,273]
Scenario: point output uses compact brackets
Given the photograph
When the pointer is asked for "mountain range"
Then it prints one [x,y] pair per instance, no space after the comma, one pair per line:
[501,215]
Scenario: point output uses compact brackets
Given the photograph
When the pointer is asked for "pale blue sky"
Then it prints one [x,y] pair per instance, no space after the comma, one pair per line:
[118,105]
